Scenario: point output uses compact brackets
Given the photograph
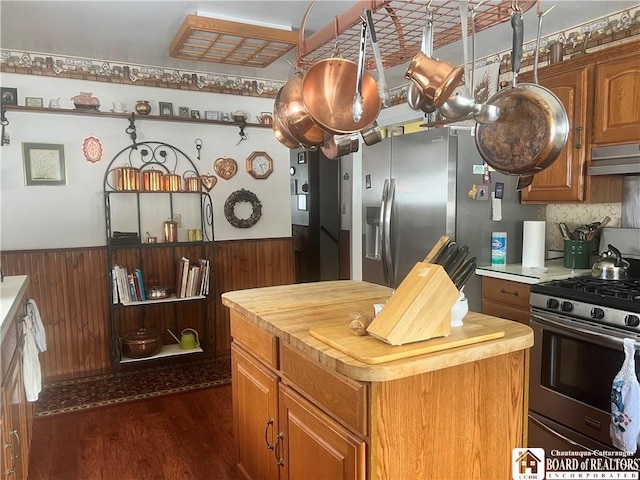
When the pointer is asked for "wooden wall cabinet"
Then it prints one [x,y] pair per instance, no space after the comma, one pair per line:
[16,414]
[617,115]
[612,78]
[505,299]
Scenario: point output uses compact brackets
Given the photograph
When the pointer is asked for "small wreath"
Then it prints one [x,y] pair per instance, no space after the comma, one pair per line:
[242,196]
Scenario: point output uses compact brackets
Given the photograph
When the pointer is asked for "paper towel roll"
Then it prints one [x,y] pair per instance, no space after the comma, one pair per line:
[533,243]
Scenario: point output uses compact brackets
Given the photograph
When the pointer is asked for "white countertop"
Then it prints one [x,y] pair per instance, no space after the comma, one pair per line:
[12,291]
[515,272]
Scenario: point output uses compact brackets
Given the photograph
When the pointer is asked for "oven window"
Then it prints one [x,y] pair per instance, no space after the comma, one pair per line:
[579,369]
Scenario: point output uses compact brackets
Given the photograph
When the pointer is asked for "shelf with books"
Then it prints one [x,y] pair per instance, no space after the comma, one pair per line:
[141,274]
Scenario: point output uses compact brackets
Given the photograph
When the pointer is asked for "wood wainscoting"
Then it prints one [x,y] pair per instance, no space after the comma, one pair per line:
[71,289]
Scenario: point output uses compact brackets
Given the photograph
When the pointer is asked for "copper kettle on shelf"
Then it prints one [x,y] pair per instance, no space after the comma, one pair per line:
[265,118]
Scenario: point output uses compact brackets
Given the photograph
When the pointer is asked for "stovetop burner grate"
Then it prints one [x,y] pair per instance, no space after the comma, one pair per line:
[621,294]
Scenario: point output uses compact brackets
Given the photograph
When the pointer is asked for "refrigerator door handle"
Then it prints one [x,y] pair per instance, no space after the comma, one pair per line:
[386,244]
[381,230]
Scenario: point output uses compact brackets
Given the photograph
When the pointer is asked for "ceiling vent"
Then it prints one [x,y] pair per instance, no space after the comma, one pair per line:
[214,40]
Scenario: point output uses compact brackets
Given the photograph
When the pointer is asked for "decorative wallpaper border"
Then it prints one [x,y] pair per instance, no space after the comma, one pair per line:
[31,63]
[596,34]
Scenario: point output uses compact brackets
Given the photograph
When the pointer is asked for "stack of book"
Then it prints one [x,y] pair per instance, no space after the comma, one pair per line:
[127,287]
[192,278]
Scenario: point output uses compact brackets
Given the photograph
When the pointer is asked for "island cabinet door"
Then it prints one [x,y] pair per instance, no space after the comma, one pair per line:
[311,445]
[255,415]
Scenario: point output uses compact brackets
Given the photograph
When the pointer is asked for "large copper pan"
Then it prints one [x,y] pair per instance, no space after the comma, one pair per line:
[294,116]
[532,128]
[328,89]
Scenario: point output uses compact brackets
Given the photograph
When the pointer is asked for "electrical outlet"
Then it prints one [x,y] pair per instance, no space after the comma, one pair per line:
[178,218]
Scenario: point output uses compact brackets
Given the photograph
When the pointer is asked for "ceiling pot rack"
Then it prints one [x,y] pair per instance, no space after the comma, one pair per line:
[399,25]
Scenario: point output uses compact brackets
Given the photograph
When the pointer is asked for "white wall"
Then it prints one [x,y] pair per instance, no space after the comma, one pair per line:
[33,217]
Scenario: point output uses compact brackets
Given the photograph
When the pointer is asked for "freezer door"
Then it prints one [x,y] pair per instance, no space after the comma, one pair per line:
[375,172]
[424,173]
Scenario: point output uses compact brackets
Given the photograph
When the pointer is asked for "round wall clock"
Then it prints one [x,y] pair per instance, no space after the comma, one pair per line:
[259,165]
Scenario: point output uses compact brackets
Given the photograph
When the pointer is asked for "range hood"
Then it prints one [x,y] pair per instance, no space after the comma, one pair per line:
[616,159]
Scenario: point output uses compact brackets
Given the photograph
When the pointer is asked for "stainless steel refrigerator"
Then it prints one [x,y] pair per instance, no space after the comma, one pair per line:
[418,187]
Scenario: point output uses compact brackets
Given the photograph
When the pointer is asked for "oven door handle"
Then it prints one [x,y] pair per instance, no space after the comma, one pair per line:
[564,438]
[575,328]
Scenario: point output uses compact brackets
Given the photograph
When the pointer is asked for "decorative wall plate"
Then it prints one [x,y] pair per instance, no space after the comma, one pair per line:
[239,196]
[92,149]
[208,181]
[225,167]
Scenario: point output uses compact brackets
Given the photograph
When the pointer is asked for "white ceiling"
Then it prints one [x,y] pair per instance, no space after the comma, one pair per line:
[140,32]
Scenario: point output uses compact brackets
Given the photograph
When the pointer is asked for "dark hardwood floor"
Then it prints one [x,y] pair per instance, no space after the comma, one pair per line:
[182,436]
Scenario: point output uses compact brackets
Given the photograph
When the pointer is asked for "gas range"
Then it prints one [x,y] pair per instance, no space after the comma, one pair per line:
[608,302]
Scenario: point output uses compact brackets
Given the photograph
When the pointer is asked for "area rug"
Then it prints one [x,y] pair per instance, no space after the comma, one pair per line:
[110,389]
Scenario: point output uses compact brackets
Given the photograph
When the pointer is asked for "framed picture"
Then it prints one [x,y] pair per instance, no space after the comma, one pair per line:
[302,157]
[195,114]
[183,112]
[44,164]
[9,96]
[211,115]
[166,109]
[33,101]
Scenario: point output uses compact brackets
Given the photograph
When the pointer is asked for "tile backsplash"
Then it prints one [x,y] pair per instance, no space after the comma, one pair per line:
[576,215]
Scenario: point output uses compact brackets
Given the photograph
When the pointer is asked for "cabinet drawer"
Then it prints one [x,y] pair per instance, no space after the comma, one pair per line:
[509,293]
[340,396]
[262,344]
[505,311]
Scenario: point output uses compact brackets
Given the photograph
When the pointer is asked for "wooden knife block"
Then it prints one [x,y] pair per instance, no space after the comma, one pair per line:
[419,309]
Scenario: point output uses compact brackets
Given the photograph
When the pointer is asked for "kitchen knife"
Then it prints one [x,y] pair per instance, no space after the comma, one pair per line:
[454,264]
[457,275]
[449,253]
[465,273]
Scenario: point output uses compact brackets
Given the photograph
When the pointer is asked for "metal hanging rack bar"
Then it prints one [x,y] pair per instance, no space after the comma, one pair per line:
[398,25]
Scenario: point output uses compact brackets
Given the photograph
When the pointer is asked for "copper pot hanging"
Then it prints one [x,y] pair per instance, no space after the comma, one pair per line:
[328,90]
[294,115]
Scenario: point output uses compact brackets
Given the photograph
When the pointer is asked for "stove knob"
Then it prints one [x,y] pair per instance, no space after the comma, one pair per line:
[597,313]
[631,321]
[566,306]
[552,303]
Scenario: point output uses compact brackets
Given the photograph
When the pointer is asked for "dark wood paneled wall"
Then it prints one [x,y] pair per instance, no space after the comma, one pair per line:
[249,264]
[71,289]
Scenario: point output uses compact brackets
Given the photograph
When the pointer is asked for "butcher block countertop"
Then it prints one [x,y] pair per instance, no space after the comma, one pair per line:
[289,311]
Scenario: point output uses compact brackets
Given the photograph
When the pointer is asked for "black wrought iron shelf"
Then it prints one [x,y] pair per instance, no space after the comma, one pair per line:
[167,351]
[169,299]
[97,113]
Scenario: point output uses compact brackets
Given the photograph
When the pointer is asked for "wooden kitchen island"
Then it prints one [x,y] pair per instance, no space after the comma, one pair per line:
[305,410]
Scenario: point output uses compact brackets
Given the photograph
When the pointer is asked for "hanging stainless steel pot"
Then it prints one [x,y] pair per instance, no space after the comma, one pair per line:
[340,145]
[611,265]
[533,125]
